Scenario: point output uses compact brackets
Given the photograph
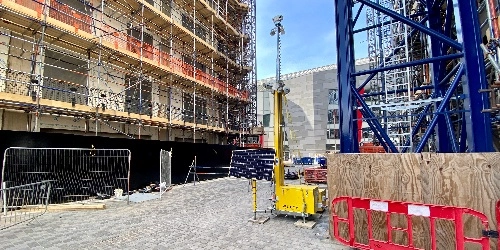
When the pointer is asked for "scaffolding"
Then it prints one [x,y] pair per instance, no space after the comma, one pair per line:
[397,92]
[171,64]
[491,50]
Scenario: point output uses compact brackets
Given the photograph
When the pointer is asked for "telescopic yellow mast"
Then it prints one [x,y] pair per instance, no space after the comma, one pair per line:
[278,89]
[301,200]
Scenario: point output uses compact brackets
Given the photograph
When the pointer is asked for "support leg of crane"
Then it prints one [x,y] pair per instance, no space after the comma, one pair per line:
[255,218]
[259,219]
[307,224]
[303,223]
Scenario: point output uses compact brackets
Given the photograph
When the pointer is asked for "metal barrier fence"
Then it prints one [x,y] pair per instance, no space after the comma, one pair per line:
[409,210]
[23,203]
[165,171]
[76,174]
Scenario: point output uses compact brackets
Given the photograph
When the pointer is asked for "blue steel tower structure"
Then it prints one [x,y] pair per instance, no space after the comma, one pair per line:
[449,112]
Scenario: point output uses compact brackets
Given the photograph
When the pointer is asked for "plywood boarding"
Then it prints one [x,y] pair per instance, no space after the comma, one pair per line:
[465,180]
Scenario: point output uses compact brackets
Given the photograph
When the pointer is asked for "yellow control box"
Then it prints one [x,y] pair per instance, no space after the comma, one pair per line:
[300,199]
[322,199]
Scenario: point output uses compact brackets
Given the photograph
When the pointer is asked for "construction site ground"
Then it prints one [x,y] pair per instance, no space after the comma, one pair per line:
[209,215]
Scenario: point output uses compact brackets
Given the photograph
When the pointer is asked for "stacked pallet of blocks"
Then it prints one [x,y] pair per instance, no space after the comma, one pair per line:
[252,163]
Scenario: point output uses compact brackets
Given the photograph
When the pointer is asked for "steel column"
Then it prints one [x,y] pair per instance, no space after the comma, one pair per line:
[375,131]
[417,126]
[345,64]
[437,70]
[449,125]
[463,137]
[479,138]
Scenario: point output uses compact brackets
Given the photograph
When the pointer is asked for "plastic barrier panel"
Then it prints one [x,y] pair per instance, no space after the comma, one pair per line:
[433,212]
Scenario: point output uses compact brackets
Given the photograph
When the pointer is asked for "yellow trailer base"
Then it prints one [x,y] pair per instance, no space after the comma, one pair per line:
[300,199]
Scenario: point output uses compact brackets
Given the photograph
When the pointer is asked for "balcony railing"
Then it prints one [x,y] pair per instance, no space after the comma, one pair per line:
[120,40]
[67,92]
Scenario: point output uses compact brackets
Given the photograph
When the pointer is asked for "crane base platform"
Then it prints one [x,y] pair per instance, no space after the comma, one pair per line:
[307,225]
[259,219]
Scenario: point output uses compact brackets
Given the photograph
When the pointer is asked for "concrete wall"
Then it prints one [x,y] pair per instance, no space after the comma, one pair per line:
[302,101]
[21,121]
[15,120]
[308,105]
[186,135]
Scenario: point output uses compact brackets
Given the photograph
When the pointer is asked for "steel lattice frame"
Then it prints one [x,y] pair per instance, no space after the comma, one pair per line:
[251,57]
[451,112]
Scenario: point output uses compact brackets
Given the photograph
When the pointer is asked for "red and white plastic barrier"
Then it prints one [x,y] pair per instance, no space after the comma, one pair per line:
[409,209]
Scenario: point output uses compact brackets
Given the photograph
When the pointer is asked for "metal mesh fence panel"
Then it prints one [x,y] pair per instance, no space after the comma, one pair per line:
[165,170]
[76,174]
[23,203]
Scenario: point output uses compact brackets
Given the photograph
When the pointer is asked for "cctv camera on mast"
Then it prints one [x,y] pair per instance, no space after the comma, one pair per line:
[277,19]
[279,28]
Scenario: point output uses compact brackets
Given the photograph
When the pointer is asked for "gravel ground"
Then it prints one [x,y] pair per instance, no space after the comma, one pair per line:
[208,215]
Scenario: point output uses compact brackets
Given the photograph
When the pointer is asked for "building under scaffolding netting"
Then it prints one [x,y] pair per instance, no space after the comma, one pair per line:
[149,69]
[433,78]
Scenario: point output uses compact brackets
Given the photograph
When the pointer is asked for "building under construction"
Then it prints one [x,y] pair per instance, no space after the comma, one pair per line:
[149,69]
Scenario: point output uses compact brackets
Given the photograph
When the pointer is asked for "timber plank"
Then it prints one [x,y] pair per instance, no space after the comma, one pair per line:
[381,182]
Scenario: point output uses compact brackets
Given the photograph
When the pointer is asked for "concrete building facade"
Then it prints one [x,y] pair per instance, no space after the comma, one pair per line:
[310,111]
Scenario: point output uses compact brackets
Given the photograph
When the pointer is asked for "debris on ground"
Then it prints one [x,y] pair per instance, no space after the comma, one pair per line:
[291,175]
[152,187]
[100,196]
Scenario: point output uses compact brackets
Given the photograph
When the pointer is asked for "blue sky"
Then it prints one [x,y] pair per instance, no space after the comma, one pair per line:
[310,38]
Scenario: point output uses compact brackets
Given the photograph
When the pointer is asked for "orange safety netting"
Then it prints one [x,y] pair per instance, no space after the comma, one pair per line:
[36,5]
[66,14]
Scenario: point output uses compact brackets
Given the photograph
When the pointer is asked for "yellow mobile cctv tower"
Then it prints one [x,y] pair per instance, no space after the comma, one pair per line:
[302,200]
